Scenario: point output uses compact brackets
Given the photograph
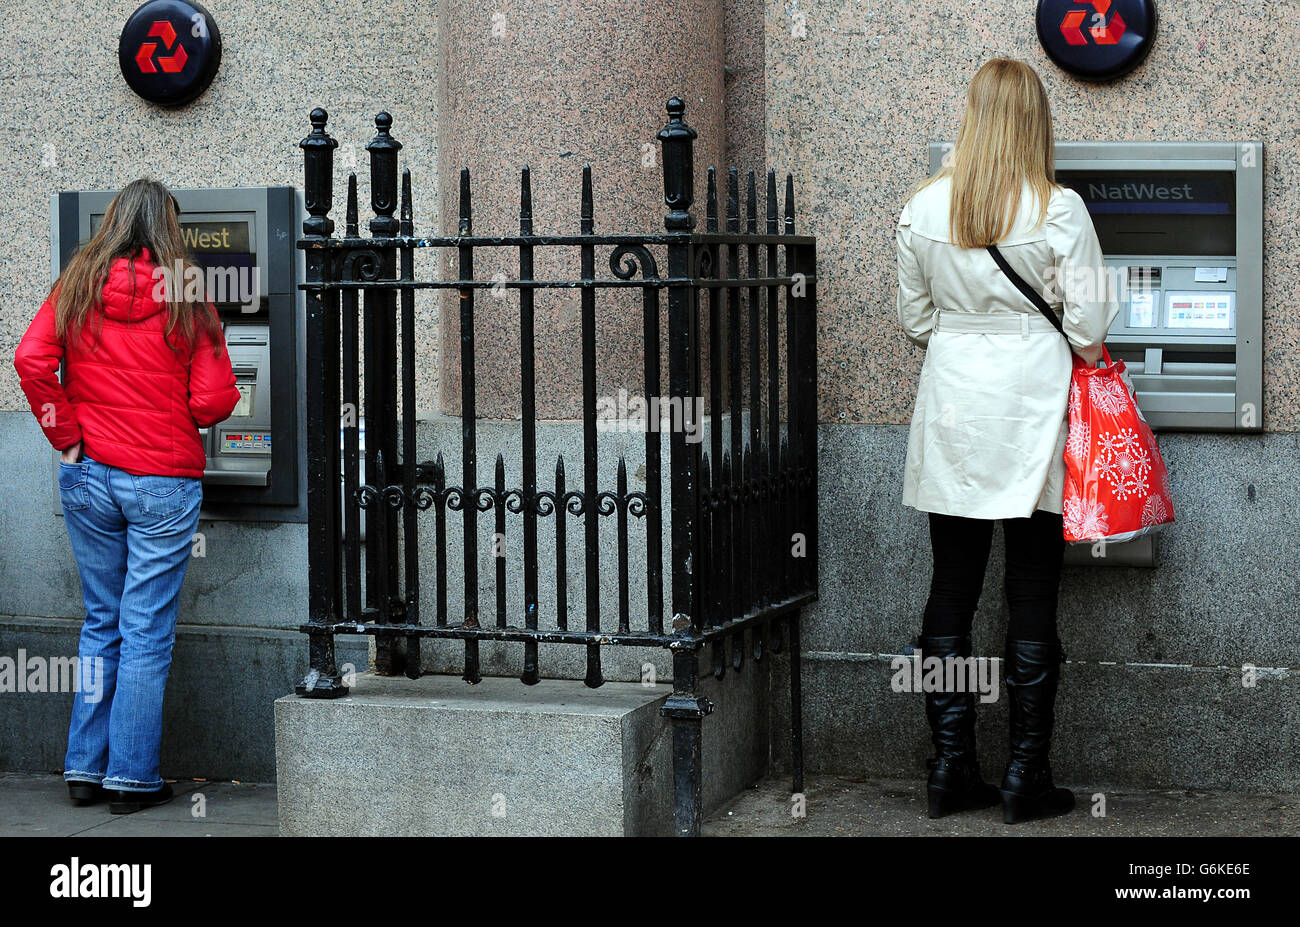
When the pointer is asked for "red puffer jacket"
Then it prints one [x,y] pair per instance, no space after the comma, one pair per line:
[136,403]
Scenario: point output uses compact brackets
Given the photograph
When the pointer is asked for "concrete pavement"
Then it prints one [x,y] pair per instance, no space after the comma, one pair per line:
[37,805]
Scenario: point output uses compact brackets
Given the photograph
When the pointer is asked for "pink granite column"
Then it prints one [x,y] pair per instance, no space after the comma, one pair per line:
[555,86]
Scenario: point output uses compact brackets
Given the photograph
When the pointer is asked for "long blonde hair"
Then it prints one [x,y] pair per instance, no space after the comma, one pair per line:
[143,215]
[1005,141]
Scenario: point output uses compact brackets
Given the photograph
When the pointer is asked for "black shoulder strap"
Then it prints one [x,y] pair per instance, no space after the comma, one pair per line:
[1030,293]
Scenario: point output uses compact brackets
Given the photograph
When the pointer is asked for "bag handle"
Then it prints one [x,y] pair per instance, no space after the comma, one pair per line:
[1030,293]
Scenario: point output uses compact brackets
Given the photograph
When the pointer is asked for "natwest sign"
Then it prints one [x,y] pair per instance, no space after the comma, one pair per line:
[169,51]
[1097,39]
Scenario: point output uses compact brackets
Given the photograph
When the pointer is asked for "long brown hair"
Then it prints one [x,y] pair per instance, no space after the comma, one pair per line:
[1005,142]
[143,215]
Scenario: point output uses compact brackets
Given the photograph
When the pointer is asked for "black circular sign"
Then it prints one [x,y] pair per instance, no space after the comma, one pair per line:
[1097,39]
[169,51]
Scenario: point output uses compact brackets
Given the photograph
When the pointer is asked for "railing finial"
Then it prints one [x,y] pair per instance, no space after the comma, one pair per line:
[733,200]
[318,176]
[588,217]
[525,201]
[466,224]
[789,204]
[711,203]
[383,150]
[771,202]
[350,224]
[408,208]
[678,140]
[751,207]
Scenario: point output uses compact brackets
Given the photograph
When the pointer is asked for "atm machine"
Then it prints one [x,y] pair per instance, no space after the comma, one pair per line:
[243,238]
[1181,225]
[239,449]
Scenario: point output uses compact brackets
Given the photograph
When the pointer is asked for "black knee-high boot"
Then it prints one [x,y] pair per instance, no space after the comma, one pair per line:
[955,783]
[1032,672]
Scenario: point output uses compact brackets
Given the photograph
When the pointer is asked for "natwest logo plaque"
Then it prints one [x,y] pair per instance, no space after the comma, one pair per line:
[169,51]
[1097,39]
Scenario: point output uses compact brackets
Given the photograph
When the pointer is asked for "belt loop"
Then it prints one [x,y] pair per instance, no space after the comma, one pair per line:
[937,313]
[1024,326]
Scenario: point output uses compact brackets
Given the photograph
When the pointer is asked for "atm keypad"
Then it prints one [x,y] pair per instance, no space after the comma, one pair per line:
[246,442]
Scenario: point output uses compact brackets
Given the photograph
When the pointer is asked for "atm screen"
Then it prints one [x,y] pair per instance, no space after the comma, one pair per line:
[219,243]
[1159,212]
[224,248]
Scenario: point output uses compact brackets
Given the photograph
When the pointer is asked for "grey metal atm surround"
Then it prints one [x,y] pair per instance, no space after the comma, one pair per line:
[243,481]
[1181,224]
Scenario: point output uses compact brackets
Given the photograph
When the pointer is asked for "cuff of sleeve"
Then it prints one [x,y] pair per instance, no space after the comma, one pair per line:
[1090,355]
[63,444]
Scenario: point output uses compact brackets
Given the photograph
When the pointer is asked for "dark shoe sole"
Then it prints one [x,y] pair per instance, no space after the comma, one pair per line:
[85,793]
[131,802]
[944,802]
[1017,808]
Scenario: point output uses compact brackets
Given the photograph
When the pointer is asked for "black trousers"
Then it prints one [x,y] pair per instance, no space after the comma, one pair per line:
[1034,548]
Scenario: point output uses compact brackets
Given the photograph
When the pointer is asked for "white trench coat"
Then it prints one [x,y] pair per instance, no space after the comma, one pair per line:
[988,430]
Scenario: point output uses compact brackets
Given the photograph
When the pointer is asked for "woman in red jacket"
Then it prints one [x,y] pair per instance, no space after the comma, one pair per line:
[144,369]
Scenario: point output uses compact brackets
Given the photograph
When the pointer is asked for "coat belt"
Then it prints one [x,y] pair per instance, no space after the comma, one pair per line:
[999,323]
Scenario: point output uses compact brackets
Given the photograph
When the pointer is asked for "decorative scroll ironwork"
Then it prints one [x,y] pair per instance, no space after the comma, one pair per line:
[735,308]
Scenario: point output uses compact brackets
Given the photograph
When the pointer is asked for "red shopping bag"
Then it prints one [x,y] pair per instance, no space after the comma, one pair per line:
[1116,483]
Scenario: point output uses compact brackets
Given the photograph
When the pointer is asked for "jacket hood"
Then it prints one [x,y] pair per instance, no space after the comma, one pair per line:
[131,292]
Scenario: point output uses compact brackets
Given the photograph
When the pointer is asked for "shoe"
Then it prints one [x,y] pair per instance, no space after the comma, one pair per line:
[955,783]
[85,793]
[1032,673]
[120,802]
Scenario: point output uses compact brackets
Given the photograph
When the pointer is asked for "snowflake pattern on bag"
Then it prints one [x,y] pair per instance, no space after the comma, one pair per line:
[1076,400]
[1084,519]
[1117,484]
[1154,511]
[1123,462]
[1078,441]
[1108,395]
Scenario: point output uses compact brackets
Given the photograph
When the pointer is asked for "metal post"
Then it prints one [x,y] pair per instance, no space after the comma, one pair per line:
[685,707]
[796,707]
[323,679]
[381,402]
[686,710]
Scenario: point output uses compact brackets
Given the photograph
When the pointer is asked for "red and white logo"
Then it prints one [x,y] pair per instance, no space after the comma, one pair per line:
[1103,31]
[175,62]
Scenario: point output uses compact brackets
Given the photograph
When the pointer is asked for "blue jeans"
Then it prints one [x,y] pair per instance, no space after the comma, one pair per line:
[131,536]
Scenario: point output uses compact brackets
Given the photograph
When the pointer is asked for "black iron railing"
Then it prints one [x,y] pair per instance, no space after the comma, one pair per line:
[742,446]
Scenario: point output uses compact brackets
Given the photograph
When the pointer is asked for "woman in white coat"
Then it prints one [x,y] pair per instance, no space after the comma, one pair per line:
[989,427]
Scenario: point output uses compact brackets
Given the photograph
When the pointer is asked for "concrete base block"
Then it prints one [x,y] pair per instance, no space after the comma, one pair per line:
[435,756]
